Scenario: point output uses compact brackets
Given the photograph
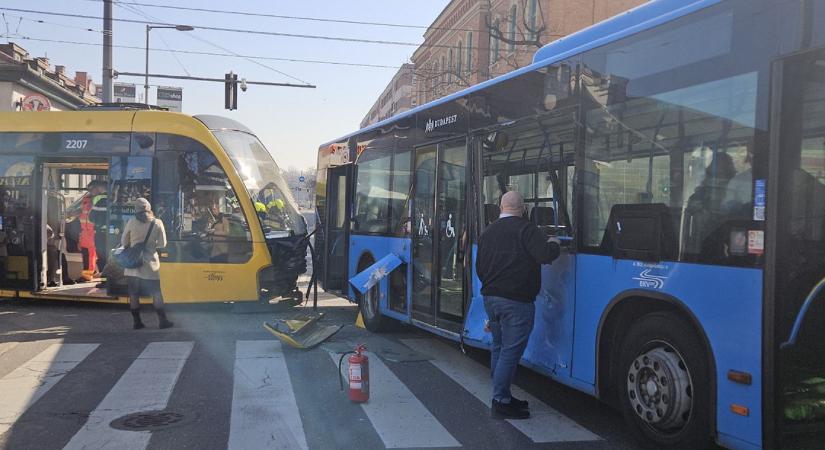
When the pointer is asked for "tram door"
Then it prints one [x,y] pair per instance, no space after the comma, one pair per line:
[439,234]
[336,230]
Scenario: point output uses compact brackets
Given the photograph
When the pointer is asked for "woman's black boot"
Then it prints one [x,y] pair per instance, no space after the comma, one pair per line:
[163,322]
[136,322]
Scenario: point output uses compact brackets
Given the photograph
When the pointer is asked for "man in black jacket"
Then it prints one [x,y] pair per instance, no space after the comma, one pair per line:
[510,254]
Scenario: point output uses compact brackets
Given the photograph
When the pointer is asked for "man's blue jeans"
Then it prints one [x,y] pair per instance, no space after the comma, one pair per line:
[511,322]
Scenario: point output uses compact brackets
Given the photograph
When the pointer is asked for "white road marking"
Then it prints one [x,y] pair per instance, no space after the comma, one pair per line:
[264,411]
[145,386]
[28,383]
[399,418]
[6,347]
[544,425]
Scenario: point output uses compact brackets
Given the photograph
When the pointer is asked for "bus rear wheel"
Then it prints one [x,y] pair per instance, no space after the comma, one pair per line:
[662,381]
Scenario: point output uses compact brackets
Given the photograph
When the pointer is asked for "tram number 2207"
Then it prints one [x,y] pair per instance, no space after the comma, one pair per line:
[76,144]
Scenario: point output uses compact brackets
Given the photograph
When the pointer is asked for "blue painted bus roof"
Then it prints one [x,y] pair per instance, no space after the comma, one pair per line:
[643,17]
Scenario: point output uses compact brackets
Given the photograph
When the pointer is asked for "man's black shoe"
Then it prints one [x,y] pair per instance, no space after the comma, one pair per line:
[508,411]
[520,404]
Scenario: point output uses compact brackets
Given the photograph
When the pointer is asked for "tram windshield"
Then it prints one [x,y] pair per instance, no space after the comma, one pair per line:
[263,181]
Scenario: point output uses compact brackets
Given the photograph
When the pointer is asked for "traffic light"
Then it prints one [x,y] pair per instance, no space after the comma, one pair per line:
[230,98]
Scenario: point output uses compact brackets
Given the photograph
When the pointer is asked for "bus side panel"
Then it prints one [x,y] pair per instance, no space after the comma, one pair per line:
[378,247]
[476,315]
[725,300]
[551,341]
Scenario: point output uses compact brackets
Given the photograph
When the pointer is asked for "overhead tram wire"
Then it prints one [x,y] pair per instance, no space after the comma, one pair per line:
[226,55]
[137,11]
[245,31]
[46,22]
[134,10]
[194,52]
[278,16]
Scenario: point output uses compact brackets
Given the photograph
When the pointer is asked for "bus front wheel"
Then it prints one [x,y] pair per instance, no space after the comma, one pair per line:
[369,308]
[662,381]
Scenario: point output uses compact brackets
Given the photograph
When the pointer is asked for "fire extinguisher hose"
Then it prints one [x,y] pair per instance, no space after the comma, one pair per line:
[340,362]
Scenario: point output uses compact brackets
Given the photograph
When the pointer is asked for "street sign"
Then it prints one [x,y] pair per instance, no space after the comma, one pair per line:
[125,93]
[170,97]
[35,102]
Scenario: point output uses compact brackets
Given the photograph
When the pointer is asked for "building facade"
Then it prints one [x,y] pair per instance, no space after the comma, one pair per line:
[398,96]
[474,40]
[30,84]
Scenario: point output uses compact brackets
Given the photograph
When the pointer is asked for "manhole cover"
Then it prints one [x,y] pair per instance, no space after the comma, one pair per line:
[147,421]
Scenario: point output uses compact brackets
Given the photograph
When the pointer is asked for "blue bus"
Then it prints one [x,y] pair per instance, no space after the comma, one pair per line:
[678,150]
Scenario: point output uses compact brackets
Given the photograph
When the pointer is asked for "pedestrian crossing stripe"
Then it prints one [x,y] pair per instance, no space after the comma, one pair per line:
[544,425]
[264,412]
[399,418]
[145,386]
[25,385]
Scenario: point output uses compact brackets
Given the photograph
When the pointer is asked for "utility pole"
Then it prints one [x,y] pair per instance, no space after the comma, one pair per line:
[108,72]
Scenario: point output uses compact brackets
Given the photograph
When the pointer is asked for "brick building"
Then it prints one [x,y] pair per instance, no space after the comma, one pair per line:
[398,96]
[474,40]
[30,83]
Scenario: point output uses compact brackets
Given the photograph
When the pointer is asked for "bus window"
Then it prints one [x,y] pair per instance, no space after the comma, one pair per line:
[534,158]
[686,154]
[399,202]
[372,190]
[195,196]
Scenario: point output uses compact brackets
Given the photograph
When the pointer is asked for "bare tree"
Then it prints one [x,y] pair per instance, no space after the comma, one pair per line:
[524,34]
[523,38]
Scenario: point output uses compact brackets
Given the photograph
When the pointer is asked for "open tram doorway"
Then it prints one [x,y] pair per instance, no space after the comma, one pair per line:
[72,233]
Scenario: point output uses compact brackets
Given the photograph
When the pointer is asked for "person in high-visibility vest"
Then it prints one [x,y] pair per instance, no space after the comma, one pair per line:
[260,209]
[87,229]
[276,211]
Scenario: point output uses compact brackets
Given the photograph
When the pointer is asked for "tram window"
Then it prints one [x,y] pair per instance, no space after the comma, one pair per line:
[373,192]
[208,224]
[263,182]
[689,149]
[143,144]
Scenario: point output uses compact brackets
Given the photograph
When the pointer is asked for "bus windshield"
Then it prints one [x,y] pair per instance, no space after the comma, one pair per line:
[263,181]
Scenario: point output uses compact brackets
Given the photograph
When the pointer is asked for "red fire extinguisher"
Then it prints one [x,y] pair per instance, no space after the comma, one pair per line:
[358,374]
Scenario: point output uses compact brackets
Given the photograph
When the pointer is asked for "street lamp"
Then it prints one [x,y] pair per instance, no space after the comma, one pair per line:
[149,27]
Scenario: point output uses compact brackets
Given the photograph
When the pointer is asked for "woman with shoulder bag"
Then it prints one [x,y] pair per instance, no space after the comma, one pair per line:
[148,231]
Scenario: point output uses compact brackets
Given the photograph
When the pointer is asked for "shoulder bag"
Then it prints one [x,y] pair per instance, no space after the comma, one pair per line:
[132,257]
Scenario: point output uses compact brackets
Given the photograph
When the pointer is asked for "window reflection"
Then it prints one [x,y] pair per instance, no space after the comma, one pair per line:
[195,196]
[686,153]
[266,187]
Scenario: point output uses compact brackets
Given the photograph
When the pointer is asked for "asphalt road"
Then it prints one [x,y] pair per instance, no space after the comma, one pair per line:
[77,376]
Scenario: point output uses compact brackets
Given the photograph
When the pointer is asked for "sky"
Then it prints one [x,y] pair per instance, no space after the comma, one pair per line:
[291,122]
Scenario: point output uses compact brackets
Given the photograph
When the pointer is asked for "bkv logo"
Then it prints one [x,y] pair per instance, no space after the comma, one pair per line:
[646,280]
[429,126]
[214,276]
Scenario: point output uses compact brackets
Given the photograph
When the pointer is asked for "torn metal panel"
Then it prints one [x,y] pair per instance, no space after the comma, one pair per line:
[373,274]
